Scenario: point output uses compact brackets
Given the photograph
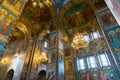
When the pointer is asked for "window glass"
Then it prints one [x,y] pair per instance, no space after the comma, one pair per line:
[78,65]
[86,38]
[91,62]
[103,59]
[81,64]
[95,35]
[45,44]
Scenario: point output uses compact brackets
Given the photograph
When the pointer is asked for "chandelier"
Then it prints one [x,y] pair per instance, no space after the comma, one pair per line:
[40,3]
[40,57]
[43,57]
[79,42]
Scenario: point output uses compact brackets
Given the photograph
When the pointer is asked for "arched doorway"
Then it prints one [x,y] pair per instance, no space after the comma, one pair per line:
[9,75]
[42,75]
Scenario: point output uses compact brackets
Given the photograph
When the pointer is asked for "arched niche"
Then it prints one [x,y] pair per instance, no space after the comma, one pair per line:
[42,75]
[9,75]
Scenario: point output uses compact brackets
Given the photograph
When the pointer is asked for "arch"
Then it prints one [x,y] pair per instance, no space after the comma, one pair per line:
[23,28]
[70,4]
[9,75]
[42,75]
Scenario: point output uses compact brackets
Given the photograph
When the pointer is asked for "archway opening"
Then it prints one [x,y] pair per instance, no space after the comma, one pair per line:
[42,75]
[9,75]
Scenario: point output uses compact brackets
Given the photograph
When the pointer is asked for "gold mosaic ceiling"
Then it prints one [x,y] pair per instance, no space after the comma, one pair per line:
[75,13]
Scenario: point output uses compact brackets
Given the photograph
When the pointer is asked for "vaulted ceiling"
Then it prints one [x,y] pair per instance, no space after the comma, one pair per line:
[74,14]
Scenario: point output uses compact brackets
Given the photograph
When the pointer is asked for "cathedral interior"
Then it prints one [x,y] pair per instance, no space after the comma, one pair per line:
[59,39]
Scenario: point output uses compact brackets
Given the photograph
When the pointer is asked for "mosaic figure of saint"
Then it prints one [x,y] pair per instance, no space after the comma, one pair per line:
[114,5]
[116,8]
[7,24]
[3,14]
[114,39]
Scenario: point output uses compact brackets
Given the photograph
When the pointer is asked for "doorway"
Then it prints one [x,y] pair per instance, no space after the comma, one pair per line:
[42,75]
[9,75]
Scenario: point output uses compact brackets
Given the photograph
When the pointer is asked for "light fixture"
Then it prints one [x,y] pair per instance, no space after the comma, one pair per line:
[5,60]
[47,2]
[40,57]
[43,58]
[38,2]
[78,41]
[34,4]
[41,4]
[16,55]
